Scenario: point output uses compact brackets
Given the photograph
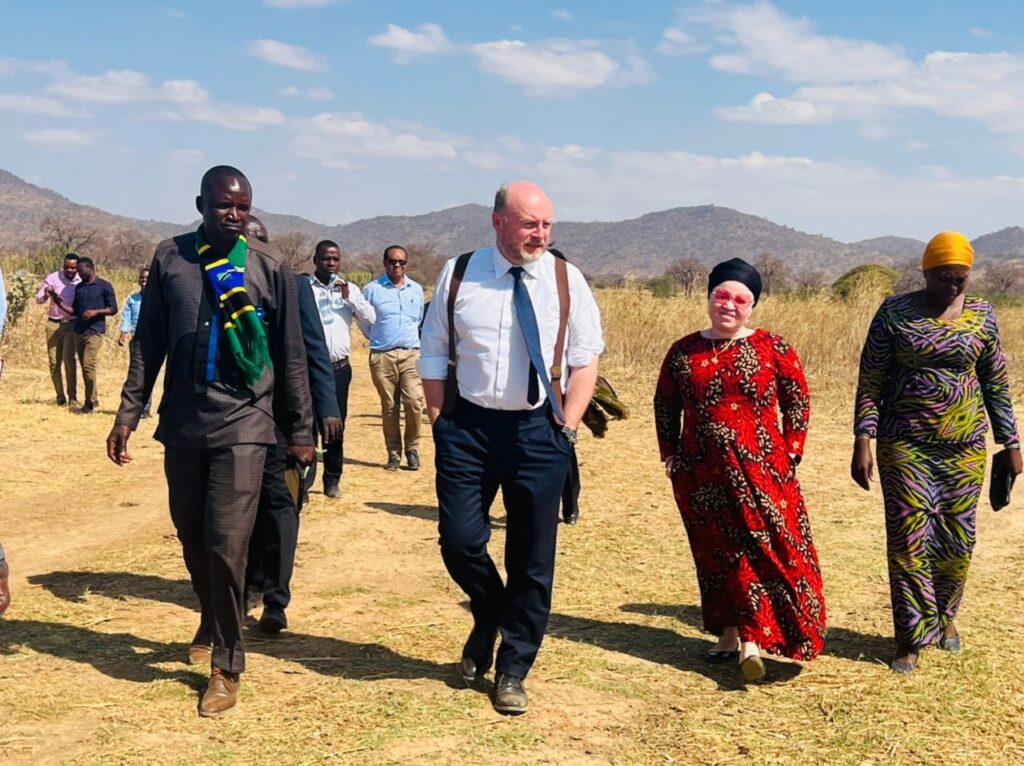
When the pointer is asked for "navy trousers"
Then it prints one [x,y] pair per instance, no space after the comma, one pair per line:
[334,453]
[478,450]
[274,536]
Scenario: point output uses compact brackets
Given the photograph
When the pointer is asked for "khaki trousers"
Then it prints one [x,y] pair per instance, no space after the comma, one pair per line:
[393,373]
[60,349]
[89,355]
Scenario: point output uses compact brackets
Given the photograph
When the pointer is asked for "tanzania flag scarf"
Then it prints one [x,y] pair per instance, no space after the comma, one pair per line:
[242,326]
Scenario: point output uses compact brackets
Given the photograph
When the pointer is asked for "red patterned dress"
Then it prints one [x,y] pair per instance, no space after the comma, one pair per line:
[736,486]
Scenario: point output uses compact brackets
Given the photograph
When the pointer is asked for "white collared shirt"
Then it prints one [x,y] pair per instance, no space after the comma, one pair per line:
[336,314]
[492,363]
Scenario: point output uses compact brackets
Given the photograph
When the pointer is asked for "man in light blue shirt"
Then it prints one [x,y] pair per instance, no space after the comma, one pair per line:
[132,306]
[394,336]
[130,320]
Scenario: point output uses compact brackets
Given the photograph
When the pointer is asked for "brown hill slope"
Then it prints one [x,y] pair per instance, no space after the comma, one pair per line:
[642,246]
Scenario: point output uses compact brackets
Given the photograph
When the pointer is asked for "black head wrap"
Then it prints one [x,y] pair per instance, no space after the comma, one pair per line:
[736,270]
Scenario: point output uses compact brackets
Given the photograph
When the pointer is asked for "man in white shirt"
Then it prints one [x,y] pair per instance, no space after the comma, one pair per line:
[500,427]
[338,301]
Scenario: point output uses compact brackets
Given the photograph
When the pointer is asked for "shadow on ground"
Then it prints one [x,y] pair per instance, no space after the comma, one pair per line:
[839,642]
[428,512]
[663,646]
[129,657]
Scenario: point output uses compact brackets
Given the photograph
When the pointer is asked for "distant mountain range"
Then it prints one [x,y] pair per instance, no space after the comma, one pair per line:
[644,246]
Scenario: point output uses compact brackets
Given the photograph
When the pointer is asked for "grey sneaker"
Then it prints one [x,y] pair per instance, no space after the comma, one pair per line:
[394,461]
[509,694]
[412,459]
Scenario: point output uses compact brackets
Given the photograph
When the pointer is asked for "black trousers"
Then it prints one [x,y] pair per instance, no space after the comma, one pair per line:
[213,496]
[525,454]
[334,455]
[274,536]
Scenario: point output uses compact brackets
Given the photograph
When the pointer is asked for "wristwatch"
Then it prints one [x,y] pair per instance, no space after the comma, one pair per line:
[570,434]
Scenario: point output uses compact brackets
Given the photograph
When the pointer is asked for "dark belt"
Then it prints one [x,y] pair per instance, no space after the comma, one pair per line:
[340,363]
[59,321]
[396,348]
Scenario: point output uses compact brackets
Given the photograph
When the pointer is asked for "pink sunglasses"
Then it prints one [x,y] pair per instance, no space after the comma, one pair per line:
[739,301]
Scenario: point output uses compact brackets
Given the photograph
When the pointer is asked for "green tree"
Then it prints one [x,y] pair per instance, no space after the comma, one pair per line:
[869,277]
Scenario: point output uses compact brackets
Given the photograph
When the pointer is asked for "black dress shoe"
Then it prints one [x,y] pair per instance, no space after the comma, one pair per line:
[509,695]
[478,653]
[412,460]
[273,620]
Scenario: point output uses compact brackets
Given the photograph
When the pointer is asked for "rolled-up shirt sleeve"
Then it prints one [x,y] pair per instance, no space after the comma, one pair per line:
[433,361]
[586,338]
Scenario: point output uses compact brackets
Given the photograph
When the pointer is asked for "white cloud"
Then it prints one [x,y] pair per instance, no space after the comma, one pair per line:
[543,67]
[765,108]
[559,65]
[114,87]
[763,39]
[290,56]
[334,138]
[173,13]
[58,138]
[28,104]
[676,41]
[52,68]
[561,14]
[834,197]
[184,92]
[979,32]
[406,45]
[315,94]
[233,116]
[863,82]
[986,88]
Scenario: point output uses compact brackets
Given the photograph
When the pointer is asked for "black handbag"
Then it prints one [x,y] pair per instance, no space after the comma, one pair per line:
[1001,482]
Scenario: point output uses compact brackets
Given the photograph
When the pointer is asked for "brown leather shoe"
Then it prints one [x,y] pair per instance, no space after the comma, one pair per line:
[221,695]
[200,654]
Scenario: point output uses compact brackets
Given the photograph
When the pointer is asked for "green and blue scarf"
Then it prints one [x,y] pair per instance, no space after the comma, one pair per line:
[242,325]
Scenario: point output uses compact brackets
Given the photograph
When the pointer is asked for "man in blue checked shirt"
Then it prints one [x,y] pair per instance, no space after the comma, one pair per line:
[394,338]
[130,320]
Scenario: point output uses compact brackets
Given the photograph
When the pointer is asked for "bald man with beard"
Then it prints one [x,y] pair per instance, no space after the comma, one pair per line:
[221,312]
[503,422]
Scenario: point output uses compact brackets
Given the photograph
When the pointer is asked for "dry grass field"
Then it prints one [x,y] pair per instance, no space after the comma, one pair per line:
[92,649]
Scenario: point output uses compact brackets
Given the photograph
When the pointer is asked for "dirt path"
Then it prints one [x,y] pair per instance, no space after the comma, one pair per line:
[91,664]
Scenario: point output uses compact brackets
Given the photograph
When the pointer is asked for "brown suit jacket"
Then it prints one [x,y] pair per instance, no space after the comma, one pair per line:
[178,311]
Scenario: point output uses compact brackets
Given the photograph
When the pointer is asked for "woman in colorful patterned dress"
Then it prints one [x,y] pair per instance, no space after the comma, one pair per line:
[931,366]
[733,475]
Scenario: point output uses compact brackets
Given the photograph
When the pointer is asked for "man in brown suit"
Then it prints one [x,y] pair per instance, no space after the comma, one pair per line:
[217,410]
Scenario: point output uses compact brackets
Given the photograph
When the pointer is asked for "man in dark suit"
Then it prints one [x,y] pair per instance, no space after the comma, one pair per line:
[276,533]
[222,312]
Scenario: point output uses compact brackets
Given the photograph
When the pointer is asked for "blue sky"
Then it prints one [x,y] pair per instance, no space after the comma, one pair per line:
[853,120]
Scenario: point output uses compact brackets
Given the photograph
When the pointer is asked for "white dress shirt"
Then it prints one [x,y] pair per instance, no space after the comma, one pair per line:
[336,314]
[492,363]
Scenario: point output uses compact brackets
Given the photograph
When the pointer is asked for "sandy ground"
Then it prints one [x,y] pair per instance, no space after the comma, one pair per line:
[91,652]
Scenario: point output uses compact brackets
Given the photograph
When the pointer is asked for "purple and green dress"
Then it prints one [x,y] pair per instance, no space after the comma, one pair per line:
[924,389]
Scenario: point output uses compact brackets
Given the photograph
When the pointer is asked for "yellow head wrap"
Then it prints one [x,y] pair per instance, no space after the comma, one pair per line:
[948,248]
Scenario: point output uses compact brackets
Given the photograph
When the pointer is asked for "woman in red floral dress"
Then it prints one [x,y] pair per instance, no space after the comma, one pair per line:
[733,472]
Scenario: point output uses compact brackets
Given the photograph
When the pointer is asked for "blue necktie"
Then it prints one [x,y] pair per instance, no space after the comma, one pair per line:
[531,334]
